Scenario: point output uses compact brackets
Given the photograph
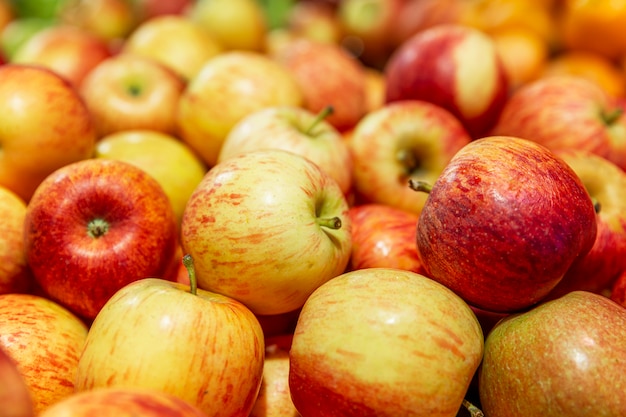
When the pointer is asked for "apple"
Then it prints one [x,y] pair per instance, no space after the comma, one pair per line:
[228,88]
[148,9]
[175,41]
[313,20]
[266,228]
[202,347]
[67,50]
[57,120]
[47,9]
[170,161]
[111,20]
[567,112]
[618,291]
[384,237]
[128,91]
[17,31]
[454,66]
[328,76]
[94,226]
[402,140]
[606,184]
[15,275]
[383,341]
[297,130]
[565,357]
[504,222]
[122,402]
[45,340]
[15,399]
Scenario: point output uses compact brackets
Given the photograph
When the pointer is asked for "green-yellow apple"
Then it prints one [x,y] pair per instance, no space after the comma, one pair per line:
[15,399]
[229,87]
[45,340]
[454,66]
[122,402]
[297,130]
[94,226]
[202,347]
[174,41]
[56,121]
[19,30]
[170,161]
[504,222]
[128,91]
[67,50]
[15,275]
[267,227]
[564,357]
[383,342]
[404,140]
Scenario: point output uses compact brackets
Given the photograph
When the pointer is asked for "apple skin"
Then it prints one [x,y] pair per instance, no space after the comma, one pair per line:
[204,348]
[286,127]
[384,237]
[267,227]
[15,276]
[111,20]
[403,331]
[15,399]
[402,140]
[454,66]
[57,120]
[504,222]
[606,183]
[566,112]
[618,291]
[94,226]
[556,360]
[45,340]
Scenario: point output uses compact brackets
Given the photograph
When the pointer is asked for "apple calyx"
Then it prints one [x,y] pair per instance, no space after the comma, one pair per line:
[612,116]
[191,270]
[97,228]
[472,409]
[422,186]
[322,115]
[331,223]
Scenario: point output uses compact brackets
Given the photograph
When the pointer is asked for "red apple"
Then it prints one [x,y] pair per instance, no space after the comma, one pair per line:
[567,112]
[618,291]
[15,398]
[15,275]
[403,140]
[504,222]
[383,341]
[148,9]
[454,66]
[384,237]
[93,227]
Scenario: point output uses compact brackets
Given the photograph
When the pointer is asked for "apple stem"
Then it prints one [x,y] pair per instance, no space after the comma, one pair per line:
[596,205]
[191,270]
[422,186]
[472,409]
[332,223]
[323,114]
[612,116]
[97,228]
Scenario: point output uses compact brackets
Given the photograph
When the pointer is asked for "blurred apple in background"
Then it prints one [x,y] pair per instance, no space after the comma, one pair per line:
[267,227]
[170,161]
[15,33]
[202,347]
[384,237]
[43,9]
[15,399]
[56,121]
[94,226]
[228,88]
[297,130]
[174,41]
[67,50]
[122,402]
[328,76]
[439,65]
[567,112]
[387,356]
[15,275]
[148,9]
[504,222]
[314,20]
[557,360]
[128,92]
[45,341]
[403,140]
[375,89]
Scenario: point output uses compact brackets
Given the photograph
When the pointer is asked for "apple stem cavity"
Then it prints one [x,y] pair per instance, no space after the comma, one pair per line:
[472,409]
[97,228]
[191,270]
[421,186]
[596,205]
[612,116]
[322,115]
[331,223]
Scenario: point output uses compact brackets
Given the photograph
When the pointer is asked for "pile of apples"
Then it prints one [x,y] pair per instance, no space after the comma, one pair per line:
[312,208]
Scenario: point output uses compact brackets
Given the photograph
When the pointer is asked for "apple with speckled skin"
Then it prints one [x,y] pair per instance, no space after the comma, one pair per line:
[267,227]
[454,66]
[377,341]
[94,226]
[15,399]
[45,340]
[504,222]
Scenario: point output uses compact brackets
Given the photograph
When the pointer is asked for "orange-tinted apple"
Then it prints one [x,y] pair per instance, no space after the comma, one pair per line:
[14,273]
[15,398]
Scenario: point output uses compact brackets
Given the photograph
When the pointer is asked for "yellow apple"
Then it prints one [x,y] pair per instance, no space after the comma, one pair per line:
[108,19]
[14,274]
